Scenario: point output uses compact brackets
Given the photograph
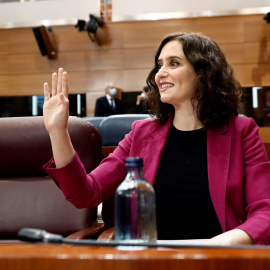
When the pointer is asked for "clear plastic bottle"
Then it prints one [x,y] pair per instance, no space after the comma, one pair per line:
[135,206]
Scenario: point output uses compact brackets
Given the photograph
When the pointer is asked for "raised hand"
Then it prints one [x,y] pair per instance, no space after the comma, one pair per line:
[56,104]
[55,113]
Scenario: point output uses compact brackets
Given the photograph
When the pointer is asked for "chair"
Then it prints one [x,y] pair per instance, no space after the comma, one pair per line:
[107,215]
[95,120]
[114,127]
[28,197]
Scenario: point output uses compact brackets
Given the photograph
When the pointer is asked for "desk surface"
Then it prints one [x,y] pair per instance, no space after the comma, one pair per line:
[67,257]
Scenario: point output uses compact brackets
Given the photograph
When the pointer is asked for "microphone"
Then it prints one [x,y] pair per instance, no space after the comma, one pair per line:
[36,235]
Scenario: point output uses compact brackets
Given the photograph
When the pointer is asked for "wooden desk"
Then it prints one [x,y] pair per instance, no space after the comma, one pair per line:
[67,257]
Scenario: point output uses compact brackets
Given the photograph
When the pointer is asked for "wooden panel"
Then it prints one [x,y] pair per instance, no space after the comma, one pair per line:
[155,24]
[256,30]
[148,37]
[79,82]
[69,38]
[265,134]
[247,53]
[222,32]
[59,257]
[151,34]
[24,85]
[230,18]
[222,29]
[138,58]
[253,74]
[94,81]
[134,79]
[4,84]
[21,40]
[3,64]
[66,38]
[71,61]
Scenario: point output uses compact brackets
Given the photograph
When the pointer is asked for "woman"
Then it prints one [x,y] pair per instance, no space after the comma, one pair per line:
[205,162]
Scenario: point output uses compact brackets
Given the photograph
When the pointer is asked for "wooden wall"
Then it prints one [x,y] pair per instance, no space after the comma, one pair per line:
[124,52]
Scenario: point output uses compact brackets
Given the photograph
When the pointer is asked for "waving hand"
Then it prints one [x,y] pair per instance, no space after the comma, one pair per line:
[56,104]
[56,113]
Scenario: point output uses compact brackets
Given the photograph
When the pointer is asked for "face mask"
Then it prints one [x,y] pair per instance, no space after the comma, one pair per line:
[113,92]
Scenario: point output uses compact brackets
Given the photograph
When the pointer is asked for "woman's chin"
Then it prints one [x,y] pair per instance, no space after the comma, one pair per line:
[164,99]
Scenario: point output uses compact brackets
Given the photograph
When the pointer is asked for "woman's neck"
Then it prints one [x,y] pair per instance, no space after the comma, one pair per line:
[186,120]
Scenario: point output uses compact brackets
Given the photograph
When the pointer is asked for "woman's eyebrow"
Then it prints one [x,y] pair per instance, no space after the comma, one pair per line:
[170,57]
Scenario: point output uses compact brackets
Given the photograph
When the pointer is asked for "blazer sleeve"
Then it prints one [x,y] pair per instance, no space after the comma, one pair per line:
[257,186]
[88,190]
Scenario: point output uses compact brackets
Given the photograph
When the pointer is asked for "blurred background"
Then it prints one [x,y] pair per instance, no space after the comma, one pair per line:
[115,40]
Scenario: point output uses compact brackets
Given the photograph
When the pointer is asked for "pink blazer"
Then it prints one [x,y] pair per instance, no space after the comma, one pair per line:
[238,172]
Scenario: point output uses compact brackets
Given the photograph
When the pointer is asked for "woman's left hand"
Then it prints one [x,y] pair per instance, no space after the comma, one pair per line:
[233,237]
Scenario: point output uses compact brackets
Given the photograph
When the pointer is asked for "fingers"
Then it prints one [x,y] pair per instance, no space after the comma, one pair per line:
[46,92]
[59,80]
[59,83]
[54,84]
[65,84]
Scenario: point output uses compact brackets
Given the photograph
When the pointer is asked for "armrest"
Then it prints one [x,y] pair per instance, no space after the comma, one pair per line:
[95,229]
[107,235]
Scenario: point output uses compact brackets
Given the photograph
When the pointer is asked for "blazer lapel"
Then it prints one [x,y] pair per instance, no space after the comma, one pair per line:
[218,159]
[152,149]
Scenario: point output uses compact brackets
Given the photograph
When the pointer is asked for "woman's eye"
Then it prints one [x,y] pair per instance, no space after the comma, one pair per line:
[174,63]
[159,66]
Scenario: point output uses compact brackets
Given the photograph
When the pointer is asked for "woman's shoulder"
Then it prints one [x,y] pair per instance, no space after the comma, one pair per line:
[144,122]
[243,123]
[242,120]
[148,125]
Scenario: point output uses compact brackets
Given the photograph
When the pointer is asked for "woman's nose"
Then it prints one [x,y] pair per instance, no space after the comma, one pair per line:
[162,72]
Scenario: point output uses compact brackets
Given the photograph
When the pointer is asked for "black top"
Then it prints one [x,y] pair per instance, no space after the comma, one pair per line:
[184,206]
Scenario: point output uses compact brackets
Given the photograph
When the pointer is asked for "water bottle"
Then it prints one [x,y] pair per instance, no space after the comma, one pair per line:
[135,206]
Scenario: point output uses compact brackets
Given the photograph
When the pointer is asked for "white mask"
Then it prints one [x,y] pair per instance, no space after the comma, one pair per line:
[113,92]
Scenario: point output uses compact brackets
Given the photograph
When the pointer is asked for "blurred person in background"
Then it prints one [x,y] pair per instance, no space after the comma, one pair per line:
[141,100]
[109,104]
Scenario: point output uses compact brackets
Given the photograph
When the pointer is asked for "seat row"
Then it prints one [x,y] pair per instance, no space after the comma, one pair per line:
[113,128]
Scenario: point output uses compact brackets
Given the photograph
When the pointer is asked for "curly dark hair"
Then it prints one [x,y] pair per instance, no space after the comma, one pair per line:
[218,93]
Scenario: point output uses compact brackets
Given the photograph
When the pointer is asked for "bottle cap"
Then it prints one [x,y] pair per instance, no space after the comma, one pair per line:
[134,162]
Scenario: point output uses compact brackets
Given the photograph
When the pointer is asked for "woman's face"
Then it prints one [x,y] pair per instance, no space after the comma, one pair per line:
[176,78]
